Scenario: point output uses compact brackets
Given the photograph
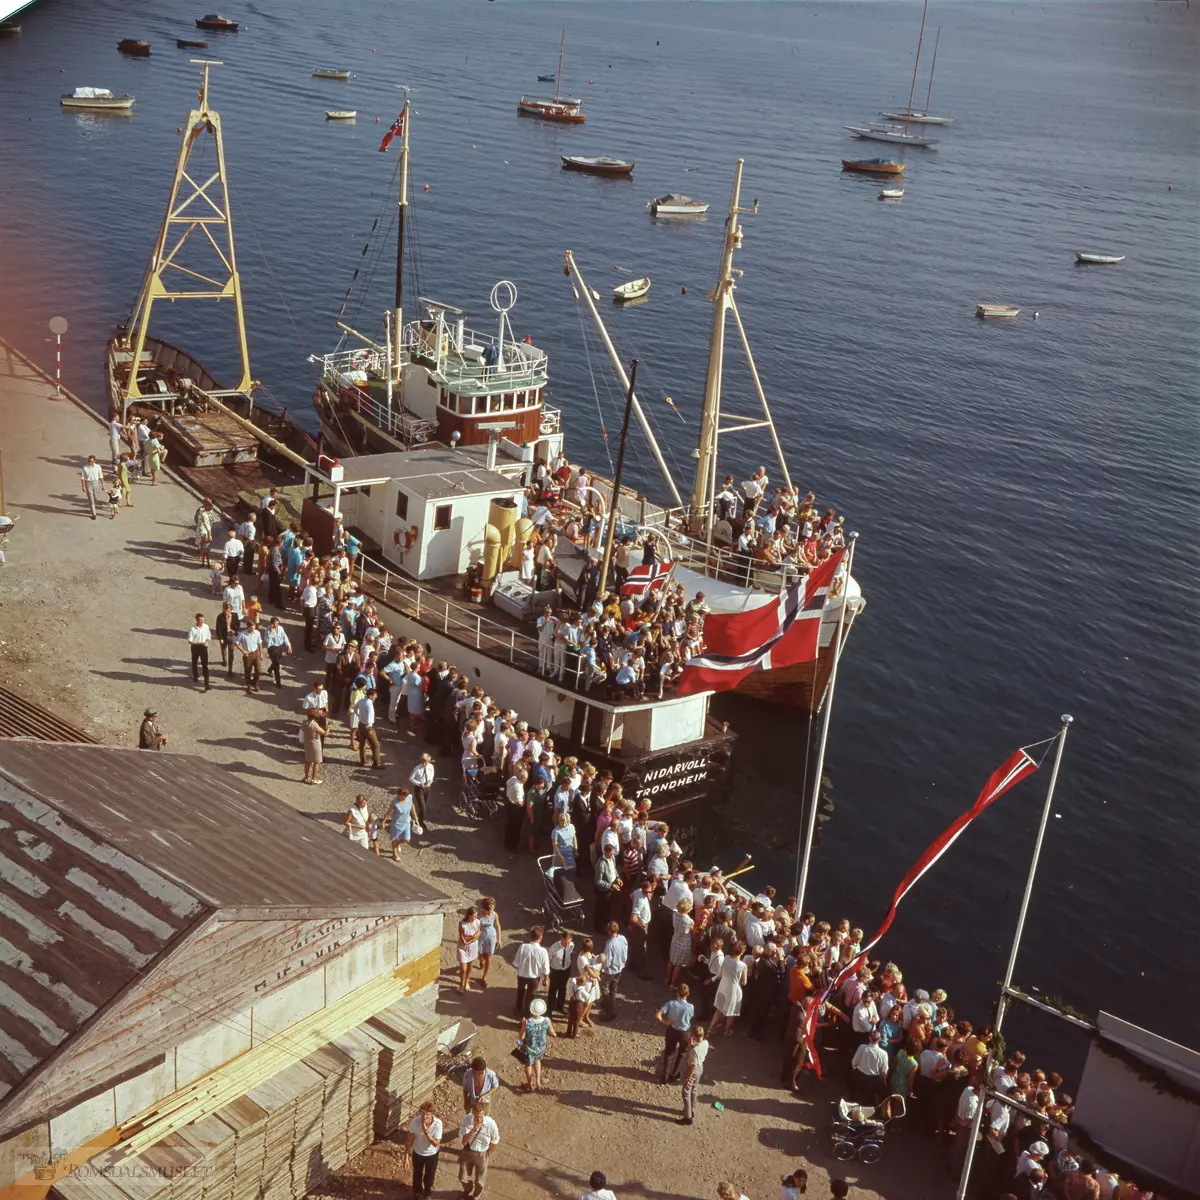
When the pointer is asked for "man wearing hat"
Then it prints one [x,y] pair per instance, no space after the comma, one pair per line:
[150,737]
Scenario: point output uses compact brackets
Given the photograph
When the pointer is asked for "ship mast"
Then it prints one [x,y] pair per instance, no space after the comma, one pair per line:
[191,207]
[558,76]
[704,486]
[929,94]
[913,88]
[401,217]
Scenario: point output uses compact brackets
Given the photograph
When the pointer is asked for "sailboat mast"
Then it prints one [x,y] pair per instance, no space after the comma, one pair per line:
[558,74]
[913,88]
[706,458]
[401,218]
[929,94]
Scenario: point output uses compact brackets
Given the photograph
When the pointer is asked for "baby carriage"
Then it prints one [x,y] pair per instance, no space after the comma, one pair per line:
[563,905]
[858,1131]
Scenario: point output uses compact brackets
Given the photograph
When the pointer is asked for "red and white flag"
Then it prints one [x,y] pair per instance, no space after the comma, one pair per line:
[1015,768]
[397,130]
[647,578]
[781,633]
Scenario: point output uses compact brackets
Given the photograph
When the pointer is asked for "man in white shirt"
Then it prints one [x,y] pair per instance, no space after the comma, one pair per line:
[277,646]
[364,710]
[423,1141]
[964,1118]
[198,638]
[640,915]
[598,1188]
[479,1138]
[561,954]
[532,964]
[514,800]
[870,1071]
[421,780]
[116,431]
[679,887]
[233,551]
[865,1017]
[309,596]
[91,479]
[249,642]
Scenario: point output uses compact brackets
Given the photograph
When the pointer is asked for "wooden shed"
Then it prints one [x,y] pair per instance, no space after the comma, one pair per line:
[201,990]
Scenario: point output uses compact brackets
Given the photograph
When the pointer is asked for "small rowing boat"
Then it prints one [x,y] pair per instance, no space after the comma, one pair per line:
[874,166]
[891,194]
[134,47]
[675,205]
[331,73]
[996,312]
[1098,260]
[635,289]
[596,166]
[186,44]
[547,78]
[97,98]
[347,114]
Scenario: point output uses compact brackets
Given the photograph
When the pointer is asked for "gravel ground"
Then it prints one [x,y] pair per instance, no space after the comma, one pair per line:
[93,622]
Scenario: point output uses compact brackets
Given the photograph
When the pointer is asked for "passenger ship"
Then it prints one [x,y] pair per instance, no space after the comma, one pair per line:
[436,381]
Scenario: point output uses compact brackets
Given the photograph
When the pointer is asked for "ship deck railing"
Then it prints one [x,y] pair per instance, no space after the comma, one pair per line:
[459,366]
[393,419]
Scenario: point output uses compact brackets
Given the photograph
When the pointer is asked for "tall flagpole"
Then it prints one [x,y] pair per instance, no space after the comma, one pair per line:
[1002,1008]
[806,853]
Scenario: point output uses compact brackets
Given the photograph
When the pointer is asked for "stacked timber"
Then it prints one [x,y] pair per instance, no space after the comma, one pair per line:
[217,1143]
[407,1038]
[249,1124]
[280,1097]
[335,1069]
[364,1052]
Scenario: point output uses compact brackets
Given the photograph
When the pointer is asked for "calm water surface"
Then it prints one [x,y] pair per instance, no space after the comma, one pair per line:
[1026,493]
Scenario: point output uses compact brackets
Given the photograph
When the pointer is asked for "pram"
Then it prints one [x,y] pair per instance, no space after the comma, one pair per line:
[858,1131]
[454,1049]
[564,905]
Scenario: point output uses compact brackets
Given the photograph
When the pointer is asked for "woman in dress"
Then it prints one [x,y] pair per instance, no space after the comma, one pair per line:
[904,1072]
[728,1003]
[311,733]
[679,957]
[155,454]
[564,842]
[400,821]
[357,819]
[490,935]
[468,947]
[535,1031]
[124,483]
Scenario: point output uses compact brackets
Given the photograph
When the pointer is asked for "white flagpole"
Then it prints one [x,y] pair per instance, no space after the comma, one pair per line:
[806,852]
[985,1082]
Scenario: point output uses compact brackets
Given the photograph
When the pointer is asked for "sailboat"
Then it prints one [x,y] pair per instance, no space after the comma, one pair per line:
[892,133]
[560,108]
[924,117]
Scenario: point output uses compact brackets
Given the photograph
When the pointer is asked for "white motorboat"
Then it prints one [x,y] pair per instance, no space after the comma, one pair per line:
[635,289]
[996,312]
[675,205]
[347,114]
[891,194]
[1098,260]
[885,133]
[97,98]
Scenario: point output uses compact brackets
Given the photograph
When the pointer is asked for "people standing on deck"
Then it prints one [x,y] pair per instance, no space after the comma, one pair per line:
[91,480]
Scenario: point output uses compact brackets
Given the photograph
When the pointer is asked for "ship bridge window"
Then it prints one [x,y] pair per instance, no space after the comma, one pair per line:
[402,506]
[441,516]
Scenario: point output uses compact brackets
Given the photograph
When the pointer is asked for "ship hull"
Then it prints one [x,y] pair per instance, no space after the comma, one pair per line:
[803,686]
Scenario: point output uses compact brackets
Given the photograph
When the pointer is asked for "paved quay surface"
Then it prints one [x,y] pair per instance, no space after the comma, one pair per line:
[93,624]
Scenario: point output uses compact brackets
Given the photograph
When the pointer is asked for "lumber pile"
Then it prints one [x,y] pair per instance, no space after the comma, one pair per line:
[407,1039]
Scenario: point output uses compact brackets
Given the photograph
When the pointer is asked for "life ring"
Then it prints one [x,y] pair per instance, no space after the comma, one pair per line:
[545,427]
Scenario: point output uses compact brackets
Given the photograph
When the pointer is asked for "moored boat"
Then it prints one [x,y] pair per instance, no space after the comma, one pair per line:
[892,194]
[134,47]
[342,114]
[924,117]
[596,166]
[874,166]
[633,289]
[216,22]
[225,442]
[189,44]
[559,108]
[675,205]
[880,133]
[996,312]
[96,99]
[547,78]
[331,73]
[1098,260]
[10,28]
[917,118]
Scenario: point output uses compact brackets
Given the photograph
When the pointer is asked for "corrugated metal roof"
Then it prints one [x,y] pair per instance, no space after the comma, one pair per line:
[22,718]
[107,854]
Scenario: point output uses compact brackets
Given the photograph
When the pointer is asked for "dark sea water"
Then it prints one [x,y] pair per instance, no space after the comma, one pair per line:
[1027,493]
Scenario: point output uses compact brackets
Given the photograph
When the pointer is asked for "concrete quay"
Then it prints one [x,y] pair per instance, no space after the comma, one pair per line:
[93,624]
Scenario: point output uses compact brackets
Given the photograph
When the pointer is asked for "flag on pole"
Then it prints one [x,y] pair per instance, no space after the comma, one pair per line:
[781,633]
[645,579]
[1014,769]
[397,130]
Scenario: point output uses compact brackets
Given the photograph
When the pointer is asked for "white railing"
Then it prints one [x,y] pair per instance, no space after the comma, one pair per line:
[551,420]
[452,351]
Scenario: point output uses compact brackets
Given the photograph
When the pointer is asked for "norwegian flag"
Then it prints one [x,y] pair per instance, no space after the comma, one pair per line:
[778,634]
[397,130]
[647,578]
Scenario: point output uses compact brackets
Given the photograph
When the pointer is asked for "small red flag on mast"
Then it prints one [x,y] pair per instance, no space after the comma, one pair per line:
[397,130]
